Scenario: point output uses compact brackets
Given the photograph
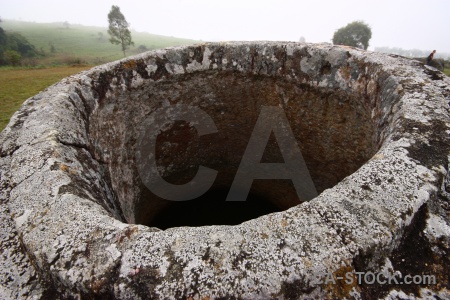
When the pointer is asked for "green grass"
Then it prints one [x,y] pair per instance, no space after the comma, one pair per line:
[83,44]
[16,85]
[77,45]
[447,71]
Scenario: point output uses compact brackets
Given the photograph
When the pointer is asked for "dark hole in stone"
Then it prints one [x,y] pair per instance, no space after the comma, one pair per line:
[334,131]
[211,208]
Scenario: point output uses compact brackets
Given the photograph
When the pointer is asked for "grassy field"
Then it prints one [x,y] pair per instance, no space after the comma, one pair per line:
[16,85]
[76,45]
[447,72]
[84,44]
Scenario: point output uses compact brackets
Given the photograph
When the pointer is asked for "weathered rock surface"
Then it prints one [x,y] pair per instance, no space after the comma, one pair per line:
[373,129]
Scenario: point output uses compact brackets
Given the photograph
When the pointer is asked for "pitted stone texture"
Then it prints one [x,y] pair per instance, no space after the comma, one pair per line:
[69,180]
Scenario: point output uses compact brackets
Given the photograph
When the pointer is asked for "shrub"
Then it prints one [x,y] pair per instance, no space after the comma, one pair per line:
[12,57]
[142,48]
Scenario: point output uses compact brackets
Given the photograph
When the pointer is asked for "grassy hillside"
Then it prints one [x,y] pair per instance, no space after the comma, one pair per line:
[61,46]
[82,44]
[16,85]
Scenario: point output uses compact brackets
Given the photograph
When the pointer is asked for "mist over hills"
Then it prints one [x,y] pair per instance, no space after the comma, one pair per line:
[65,43]
[61,42]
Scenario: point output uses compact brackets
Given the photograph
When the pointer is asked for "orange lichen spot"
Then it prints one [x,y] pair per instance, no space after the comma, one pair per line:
[67,169]
[344,282]
[130,64]
[64,168]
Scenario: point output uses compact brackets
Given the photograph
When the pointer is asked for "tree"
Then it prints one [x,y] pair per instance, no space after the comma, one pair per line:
[13,57]
[18,44]
[355,34]
[3,38]
[52,47]
[3,46]
[142,48]
[118,29]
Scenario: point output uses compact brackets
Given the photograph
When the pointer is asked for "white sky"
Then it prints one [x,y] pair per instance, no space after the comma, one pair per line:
[409,24]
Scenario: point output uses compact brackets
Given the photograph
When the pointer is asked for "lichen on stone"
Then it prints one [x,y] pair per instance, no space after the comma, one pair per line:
[78,221]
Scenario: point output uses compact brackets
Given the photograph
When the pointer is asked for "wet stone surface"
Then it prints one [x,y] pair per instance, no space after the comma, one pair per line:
[79,220]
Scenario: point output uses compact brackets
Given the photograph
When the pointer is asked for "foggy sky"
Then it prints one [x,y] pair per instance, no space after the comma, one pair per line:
[412,24]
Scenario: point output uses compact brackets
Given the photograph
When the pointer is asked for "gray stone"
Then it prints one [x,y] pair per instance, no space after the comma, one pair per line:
[373,128]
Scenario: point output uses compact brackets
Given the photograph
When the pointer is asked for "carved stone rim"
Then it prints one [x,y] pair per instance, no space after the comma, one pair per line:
[82,246]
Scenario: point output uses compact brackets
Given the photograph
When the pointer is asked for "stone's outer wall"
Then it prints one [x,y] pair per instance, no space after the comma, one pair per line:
[63,232]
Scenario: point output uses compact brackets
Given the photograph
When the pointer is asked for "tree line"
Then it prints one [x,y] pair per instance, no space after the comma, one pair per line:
[14,46]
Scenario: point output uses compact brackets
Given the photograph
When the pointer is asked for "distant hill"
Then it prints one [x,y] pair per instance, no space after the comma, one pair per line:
[65,43]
